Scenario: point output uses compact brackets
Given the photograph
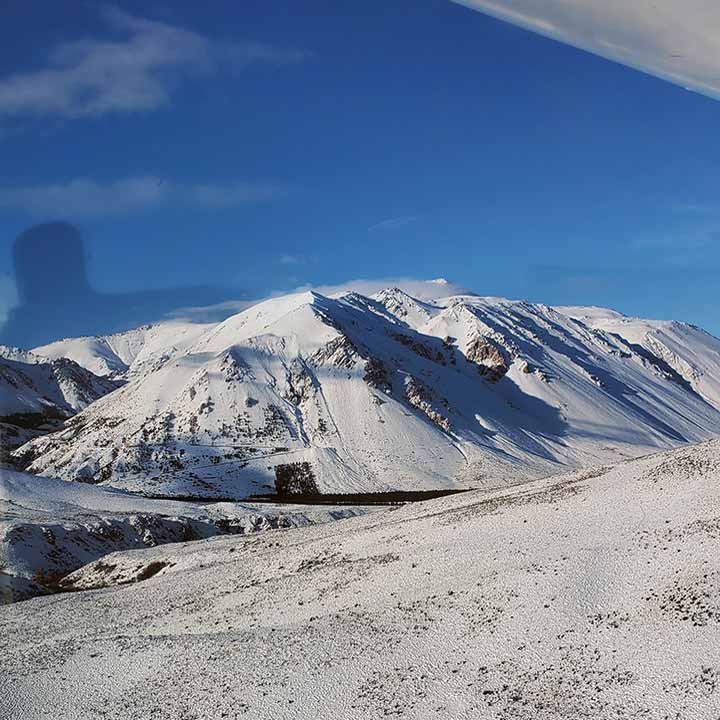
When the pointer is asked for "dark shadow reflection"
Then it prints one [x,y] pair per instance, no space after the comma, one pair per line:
[56,299]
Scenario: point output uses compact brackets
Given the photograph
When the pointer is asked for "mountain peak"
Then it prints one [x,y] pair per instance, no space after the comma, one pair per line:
[389,391]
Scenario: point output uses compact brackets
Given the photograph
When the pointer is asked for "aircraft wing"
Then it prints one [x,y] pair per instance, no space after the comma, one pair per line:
[678,40]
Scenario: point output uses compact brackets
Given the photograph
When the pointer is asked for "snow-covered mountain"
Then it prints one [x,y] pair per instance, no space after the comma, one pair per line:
[594,595]
[125,354]
[37,394]
[354,394]
[683,350]
[53,388]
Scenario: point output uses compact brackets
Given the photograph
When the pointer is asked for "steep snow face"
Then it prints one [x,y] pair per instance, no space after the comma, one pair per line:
[17,354]
[52,389]
[624,357]
[593,595]
[128,353]
[361,394]
[48,528]
[406,308]
[36,395]
[685,352]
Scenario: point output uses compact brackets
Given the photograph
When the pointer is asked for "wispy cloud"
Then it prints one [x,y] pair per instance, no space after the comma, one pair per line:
[392,223]
[231,195]
[211,313]
[84,197]
[287,259]
[135,69]
[686,246]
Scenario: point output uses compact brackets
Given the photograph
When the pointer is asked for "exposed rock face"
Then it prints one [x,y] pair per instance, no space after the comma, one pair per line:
[683,369]
[530,369]
[300,384]
[491,360]
[420,396]
[376,374]
[419,348]
[234,369]
[340,352]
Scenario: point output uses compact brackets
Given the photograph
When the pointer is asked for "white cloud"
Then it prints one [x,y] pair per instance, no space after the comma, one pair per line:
[84,197]
[134,70]
[678,41]
[212,313]
[291,259]
[392,223]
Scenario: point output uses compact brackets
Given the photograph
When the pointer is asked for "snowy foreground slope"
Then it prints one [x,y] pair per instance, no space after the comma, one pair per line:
[358,394]
[591,595]
[48,528]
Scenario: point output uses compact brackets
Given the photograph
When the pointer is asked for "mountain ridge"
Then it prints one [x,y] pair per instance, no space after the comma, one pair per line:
[384,392]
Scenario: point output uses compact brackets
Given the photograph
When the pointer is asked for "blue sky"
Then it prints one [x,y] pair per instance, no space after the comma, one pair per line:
[257,147]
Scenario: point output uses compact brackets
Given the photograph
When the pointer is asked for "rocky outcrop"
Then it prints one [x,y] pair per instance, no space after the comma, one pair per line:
[491,360]
[376,374]
[420,396]
[340,352]
[419,348]
[300,385]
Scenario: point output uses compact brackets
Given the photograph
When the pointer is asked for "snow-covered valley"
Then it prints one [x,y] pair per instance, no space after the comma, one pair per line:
[48,528]
[595,594]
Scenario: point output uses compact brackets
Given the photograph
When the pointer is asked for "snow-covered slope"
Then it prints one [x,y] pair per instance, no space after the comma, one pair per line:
[126,353]
[52,388]
[8,352]
[595,595]
[48,528]
[36,395]
[358,394]
[687,351]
